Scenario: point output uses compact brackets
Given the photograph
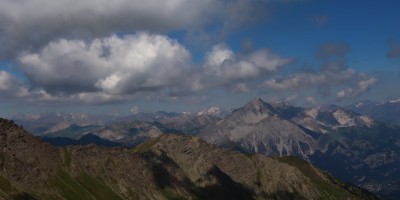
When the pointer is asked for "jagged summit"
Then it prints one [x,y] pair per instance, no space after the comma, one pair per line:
[258,107]
[259,127]
[257,103]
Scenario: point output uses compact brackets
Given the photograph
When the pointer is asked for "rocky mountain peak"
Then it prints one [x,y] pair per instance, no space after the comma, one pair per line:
[256,102]
[257,105]
[10,132]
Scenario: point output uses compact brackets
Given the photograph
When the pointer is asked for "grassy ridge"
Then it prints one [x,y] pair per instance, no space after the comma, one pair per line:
[332,188]
[83,187]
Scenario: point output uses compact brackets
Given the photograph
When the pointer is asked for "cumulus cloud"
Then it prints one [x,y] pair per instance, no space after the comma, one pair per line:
[11,87]
[36,22]
[117,68]
[65,50]
[362,86]
[113,65]
[30,25]
[299,81]
[242,88]
[357,83]
[223,66]
[332,74]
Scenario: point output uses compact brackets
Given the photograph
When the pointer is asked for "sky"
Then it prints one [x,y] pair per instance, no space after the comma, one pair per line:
[123,56]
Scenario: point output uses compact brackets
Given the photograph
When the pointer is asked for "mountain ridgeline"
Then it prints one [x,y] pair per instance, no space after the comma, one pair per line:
[383,111]
[351,146]
[361,149]
[166,167]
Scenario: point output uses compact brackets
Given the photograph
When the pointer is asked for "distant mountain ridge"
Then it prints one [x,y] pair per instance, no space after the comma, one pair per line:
[244,129]
[352,146]
[126,130]
[387,112]
[280,129]
[84,140]
[347,144]
[168,167]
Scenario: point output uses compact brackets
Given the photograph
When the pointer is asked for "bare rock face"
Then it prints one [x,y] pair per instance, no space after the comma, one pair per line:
[28,159]
[259,127]
[167,167]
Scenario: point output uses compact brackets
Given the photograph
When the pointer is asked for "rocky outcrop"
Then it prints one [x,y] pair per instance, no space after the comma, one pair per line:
[258,127]
[167,167]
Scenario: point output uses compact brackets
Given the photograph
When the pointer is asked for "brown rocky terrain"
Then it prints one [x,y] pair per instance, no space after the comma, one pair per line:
[168,167]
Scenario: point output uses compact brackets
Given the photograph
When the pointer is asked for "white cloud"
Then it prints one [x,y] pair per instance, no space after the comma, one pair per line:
[6,81]
[30,25]
[223,66]
[242,87]
[114,65]
[361,86]
[116,68]
[311,100]
[365,84]
[356,83]
[218,55]
[294,82]
[11,87]
[36,22]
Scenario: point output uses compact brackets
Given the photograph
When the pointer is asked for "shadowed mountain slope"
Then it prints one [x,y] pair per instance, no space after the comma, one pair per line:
[168,167]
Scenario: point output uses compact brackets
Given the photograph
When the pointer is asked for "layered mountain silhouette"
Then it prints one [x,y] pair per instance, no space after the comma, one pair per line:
[257,127]
[84,140]
[167,167]
[387,112]
[354,147]
[349,145]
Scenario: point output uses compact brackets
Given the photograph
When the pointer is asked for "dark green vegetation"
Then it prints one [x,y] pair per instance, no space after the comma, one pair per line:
[83,186]
[168,167]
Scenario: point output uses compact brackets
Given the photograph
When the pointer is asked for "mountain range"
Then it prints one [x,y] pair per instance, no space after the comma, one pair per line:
[387,112]
[167,167]
[361,148]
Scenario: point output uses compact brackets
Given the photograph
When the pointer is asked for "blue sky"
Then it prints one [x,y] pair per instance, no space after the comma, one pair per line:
[185,55]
